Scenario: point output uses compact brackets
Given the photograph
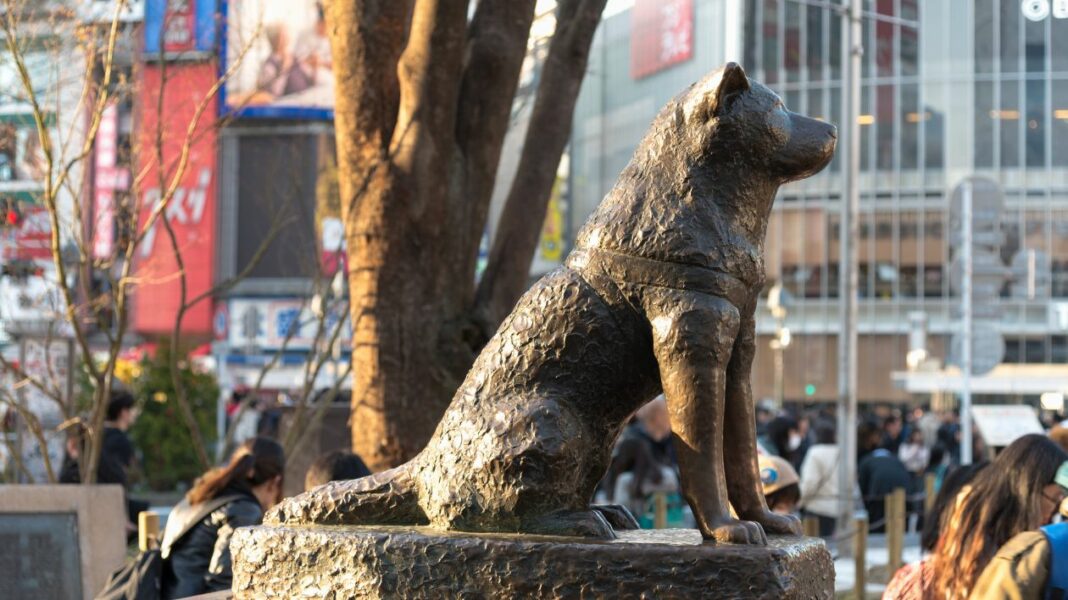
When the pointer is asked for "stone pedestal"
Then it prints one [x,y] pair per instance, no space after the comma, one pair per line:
[381,562]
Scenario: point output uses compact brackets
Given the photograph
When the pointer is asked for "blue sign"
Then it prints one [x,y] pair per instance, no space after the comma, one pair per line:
[175,26]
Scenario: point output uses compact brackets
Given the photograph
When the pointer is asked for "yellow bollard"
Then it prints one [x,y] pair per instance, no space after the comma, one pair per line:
[895,530]
[860,555]
[659,510]
[147,531]
[929,492]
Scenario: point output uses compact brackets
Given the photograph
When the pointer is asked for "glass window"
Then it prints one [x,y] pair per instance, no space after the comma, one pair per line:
[910,48]
[885,124]
[884,41]
[867,120]
[770,36]
[984,124]
[792,58]
[1010,36]
[910,119]
[814,42]
[934,125]
[1035,134]
[1008,117]
[1059,135]
[815,106]
[834,48]
[984,36]
[1059,39]
[1034,45]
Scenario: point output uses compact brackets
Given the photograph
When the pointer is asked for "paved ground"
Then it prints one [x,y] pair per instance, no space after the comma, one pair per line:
[845,568]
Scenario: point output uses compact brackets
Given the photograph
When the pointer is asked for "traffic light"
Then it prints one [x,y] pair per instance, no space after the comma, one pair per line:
[10,214]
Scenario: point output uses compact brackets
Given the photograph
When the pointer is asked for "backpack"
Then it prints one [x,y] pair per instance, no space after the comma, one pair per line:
[141,578]
[1057,585]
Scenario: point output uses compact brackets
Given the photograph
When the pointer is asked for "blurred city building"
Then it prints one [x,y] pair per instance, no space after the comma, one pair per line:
[974,88]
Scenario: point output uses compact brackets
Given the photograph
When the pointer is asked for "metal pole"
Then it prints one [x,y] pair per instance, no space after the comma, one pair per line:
[847,277]
[966,351]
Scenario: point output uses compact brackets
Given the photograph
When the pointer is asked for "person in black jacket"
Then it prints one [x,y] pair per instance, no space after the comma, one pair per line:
[198,560]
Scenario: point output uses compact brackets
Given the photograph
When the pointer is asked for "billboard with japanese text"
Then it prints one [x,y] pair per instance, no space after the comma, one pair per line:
[190,211]
[661,35]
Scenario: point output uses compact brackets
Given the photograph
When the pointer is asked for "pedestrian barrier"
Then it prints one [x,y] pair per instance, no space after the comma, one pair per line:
[659,510]
[811,526]
[895,530]
[860,554]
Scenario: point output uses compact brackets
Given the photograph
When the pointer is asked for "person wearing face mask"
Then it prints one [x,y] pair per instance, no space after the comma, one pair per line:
[784,438]
[196,541]
[879,473]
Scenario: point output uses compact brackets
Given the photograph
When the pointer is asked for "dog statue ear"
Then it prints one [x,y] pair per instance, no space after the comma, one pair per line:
[715,93]
[731,84]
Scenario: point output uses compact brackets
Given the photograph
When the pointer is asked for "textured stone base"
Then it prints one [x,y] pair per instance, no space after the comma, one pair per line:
[362,562]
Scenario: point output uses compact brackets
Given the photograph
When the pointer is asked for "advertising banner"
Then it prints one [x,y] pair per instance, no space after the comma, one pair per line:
[283,63]
[190,212]
[662,35]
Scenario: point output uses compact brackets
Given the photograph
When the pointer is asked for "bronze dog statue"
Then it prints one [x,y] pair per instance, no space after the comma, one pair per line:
[658,295]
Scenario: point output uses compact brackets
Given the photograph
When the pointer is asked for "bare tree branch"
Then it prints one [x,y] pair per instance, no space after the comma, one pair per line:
[515,241]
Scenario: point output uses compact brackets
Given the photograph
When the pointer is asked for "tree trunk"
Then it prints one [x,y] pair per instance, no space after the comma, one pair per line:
[422,105]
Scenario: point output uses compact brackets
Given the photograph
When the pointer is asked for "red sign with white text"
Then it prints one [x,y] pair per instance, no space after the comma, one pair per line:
[661,35]
[190,211]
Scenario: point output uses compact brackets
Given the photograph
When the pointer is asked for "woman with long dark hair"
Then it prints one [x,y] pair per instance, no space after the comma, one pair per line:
[196,542]
[1007,498]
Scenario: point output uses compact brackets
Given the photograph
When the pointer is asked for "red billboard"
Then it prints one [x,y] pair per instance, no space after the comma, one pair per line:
[661,35]
[190,211]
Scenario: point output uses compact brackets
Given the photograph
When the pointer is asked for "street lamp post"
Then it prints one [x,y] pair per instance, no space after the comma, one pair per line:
[780,342]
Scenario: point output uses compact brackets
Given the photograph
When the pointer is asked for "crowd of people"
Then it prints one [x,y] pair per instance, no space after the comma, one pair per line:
[982,538]
[987,535]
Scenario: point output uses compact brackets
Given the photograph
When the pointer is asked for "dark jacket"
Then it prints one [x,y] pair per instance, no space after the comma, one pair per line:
[878,474]
[199,561]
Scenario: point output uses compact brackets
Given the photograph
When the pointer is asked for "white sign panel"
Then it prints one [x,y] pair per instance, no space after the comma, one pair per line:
[261,324]
[1001,424]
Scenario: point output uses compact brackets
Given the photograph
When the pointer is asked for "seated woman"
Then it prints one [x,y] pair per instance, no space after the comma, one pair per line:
[1016,493]
[196,542]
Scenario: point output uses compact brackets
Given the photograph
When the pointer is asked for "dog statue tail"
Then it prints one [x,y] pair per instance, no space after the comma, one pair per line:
[386,498]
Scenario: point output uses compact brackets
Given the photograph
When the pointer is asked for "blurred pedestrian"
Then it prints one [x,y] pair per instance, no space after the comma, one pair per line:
[196,542]
[914,454]
[338,465]
[1016,493]
[643,461]
[783,437]
[879,473]
[819,479]
[893,433]
[779,481]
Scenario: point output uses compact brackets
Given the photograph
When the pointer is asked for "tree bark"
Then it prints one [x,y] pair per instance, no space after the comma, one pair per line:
[516,237]
[422,105]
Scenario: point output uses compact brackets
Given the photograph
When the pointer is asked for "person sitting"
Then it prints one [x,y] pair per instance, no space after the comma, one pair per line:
[1033,564]
[337,465]
[1017,493]
[196,541]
